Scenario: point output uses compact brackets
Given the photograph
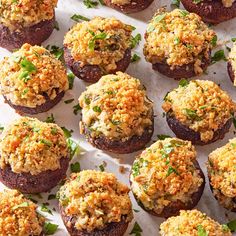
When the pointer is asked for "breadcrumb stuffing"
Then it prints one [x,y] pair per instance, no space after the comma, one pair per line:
[121,2]
[222,173]
[31,75]
[95,199]
[228,3]
[232,60]
[29,145]
[165,173]
[177,38]
[18,215]
[25,13]
[100,41]
[200,105]
[116,107]
[193,223]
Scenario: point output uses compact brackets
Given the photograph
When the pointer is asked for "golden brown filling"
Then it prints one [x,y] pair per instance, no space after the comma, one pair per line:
[18,215]
[232,60]
[200,105]
[177,38]
[228,3]
[165,173]
[16,14]
[121,2]
[95,199]
[29,145]
[116,107]
[31,75]
[194,223]
[100,41]
[222,173]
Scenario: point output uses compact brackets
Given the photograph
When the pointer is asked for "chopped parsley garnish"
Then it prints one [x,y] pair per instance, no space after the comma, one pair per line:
[183,82]
[50,119]
[137,230]
[90,3]
[101,167]
[175,3]
[73,147]
[77,108]
[135,58]
[218,56]
[56,25]
[27,69]
[201,231]
[192,114]
[78,18]
[214,41]
[56,51]
[176,41]
[75,167]
[184,12]
[162,136]
[97,109]
[92,42]
[67,133]
[135,40]
[49,228]
[171,170]
[1,128]
[71,78]
[69,101]
[46,142]
[44,208]
[23,204]
[232,225]
[233,39]
[51,196]
[157,19]
[139,163]
[225,228]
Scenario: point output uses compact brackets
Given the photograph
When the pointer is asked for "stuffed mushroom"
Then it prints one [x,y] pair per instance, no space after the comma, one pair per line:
[117,115]
[32,80]
[95,203]
[222,174]
[212,11]
[98,47]
[25,21]
[232,64]
[34,155]
[19,216]
[178,44]
[166,178]
[199,111]
[128,6]
[194,223]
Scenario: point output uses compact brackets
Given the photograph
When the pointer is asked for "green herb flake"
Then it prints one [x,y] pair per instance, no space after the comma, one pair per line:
[137,230]
[46,142]
[218,56]
[51,196]
[1,128]
[44,208]
[50,119]
[183,12]
[67,133]
[233,39]
[97,109]
[27,65]
[159,18]
[71,78]
[171,170]
[49,228]
[225,228]
[56,25]
[75,167]
[162,136]
[56,51]
[69,101]
[90,3]
[101,167]
[192,114]
[135,58]
[175,3]
[232,225]
[135,40]
[214,41]
[201,231]
[76,109]
[23,204]
[176,41]
[183,83]
[73,147]
[78,18]
[100,36]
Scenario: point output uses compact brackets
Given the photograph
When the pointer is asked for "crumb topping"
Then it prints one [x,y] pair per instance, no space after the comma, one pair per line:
[16,14]
[29,145]
[232,60]
[164,173]
[121,2]
[177,38]
[116,107]
[31,76]
[228,3]
[200,105]
[95,199]
[194,223]
[222,173]
[18,215]
[100,41]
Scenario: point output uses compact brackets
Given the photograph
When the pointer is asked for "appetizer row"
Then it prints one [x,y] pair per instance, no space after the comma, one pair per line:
[165,178]
[93,48]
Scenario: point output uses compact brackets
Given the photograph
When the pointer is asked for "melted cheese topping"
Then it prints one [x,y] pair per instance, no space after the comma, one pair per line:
[194,223]
[228,3]
[100,41]
[232,60]
[222,173]
[165,173]
[177,38]
[30,75]
[116,107]
[95,199]
[24,13]
[200,105]
[29,145]
[18,215]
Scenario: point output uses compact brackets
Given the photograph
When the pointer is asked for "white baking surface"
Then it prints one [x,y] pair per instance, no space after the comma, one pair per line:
[157,86]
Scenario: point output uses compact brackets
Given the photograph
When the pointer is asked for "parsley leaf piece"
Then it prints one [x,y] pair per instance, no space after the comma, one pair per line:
[71,78]
[135,40]
[49,228]
[75,167]
[50,119]
[218,56]
[232,225]
[23,204]
[67,133]
[78,18]
[135,58]
[201,231]
[183,83]
[137,230]
[77,108]
[162,136]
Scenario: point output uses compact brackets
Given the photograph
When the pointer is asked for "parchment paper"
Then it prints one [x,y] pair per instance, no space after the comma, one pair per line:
[157,86]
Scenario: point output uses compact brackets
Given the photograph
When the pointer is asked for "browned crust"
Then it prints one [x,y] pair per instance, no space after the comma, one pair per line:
[231,72]
[27,183]
[211,11]
[38,109]
[134,6]
[174,207]
[91,73]
[184,132]
[133,144]
[179,72]
[33,35]
[112,229]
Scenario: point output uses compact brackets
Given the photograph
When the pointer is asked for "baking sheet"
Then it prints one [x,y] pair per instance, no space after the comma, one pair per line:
[157,86]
